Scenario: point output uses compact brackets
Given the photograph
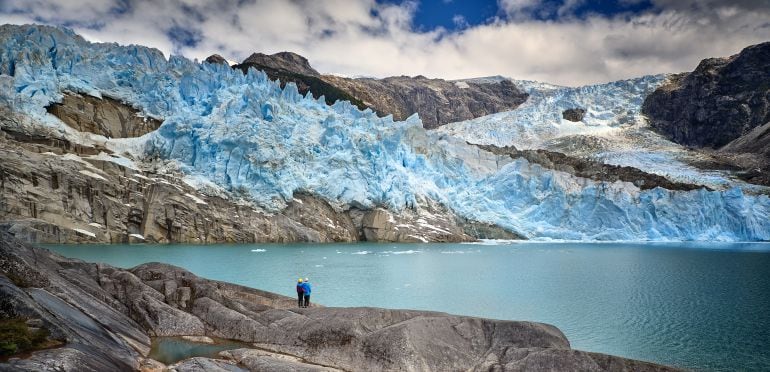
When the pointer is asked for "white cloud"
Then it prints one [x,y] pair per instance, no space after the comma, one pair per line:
[460,21]
[518,9]
[364,37]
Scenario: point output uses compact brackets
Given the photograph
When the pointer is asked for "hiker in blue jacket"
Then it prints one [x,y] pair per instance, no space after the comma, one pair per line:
[306,291]
[300,292]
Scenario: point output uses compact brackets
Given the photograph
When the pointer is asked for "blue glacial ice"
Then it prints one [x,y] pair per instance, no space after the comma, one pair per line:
[609,107]
[613,122]
[245,134]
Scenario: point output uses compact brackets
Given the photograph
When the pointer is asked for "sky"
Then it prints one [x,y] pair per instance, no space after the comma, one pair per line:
[567,42]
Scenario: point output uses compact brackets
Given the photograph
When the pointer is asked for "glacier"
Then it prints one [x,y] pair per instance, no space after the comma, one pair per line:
[613,130]
[246,135]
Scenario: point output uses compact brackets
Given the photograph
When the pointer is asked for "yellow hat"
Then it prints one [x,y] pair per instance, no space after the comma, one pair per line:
[299,280]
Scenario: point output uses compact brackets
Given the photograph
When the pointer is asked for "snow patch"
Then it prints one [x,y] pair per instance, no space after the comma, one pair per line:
[92,175]
[196,199]
[462,85]
[85,232]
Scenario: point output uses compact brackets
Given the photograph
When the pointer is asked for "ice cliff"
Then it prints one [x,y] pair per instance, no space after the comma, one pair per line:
[245,134]
[613,129]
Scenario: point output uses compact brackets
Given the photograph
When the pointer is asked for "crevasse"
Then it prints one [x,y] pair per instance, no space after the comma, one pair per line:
[249,136]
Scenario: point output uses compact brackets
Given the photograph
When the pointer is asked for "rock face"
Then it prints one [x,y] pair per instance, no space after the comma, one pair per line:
[756,142]
[573,114]
[723,99]
[287,61]
[104,116]
[438,225]
[105,314]
[437,101]
[216,59]
[591,169]
[53,191]
[751,152]
[62,198]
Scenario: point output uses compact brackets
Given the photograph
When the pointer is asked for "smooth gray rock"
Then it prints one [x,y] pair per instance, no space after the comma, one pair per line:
[199,364]
[61,296]
[261,360]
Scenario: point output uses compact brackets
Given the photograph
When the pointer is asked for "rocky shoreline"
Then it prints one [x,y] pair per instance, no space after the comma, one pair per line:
[105,317]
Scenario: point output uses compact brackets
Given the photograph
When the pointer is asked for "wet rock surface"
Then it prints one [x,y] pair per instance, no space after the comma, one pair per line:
[105,315]
[721,100]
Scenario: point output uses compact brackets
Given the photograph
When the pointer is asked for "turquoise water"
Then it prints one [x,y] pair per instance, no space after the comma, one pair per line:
[693,305]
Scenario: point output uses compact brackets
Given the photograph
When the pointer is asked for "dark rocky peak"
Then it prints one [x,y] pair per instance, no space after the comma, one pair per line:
[721,100]
[287,61]
[216,59]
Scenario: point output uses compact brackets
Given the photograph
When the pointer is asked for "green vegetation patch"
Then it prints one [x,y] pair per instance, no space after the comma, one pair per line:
[17,337]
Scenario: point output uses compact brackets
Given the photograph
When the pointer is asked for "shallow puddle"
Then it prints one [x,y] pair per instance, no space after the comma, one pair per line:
[169,350]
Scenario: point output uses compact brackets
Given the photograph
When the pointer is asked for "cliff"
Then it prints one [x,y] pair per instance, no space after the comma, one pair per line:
[721,100]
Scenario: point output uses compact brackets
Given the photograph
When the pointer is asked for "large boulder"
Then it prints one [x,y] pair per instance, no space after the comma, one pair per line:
[573,114]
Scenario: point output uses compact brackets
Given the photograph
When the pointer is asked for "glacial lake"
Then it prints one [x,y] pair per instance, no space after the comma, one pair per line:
[701,306]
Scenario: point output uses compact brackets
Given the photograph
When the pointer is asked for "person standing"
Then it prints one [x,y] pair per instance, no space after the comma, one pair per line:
[300,293]
[306,292]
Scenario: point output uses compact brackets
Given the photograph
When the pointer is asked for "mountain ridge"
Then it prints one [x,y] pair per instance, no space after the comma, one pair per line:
[437,101]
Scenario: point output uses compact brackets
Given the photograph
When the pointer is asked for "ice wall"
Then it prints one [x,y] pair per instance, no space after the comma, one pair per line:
[249,136]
